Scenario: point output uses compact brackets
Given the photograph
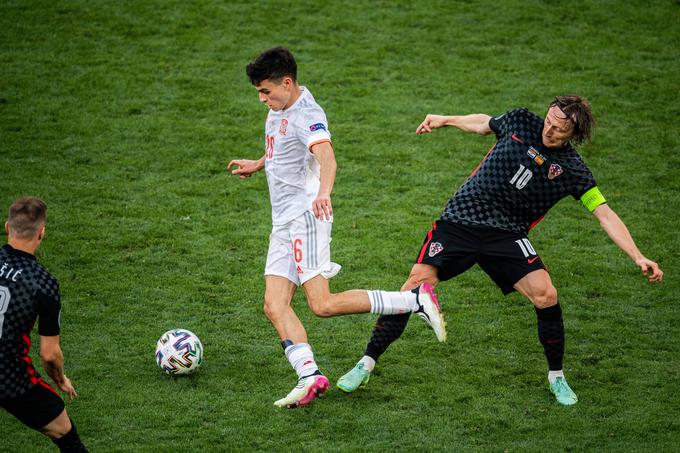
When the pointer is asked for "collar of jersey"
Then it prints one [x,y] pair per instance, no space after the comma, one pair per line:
[12,251]
[303,92]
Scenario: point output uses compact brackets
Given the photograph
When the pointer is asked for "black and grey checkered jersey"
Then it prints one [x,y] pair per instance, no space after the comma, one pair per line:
[27,292]
[519,180]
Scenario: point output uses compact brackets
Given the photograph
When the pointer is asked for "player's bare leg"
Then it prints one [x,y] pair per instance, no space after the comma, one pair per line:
[311,383]
[421,300]
[324,304]
[538,288]
[64,434]
[57,427]
[278,296]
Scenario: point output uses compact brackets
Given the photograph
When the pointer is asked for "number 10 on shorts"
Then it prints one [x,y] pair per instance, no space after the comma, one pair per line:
[526,247]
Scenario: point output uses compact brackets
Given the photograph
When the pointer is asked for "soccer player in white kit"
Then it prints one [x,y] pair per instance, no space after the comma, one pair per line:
[300,166]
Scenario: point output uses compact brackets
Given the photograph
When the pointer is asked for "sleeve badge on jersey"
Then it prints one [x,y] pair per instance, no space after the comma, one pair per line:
[554,171]
[435,248]
[317,127]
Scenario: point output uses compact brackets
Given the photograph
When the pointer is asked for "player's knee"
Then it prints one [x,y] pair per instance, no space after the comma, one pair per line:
[273,309]
[546,297]
[418,278]
[58,427]
[321,306]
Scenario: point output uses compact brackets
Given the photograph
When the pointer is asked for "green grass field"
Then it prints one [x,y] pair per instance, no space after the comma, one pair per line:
[122,116]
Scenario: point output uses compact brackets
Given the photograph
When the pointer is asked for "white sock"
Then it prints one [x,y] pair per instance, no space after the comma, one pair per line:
[392,303]
[301,357]
[368,362]
[552,375]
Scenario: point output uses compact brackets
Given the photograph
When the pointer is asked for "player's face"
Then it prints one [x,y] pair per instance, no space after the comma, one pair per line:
[277,94]
[557,128]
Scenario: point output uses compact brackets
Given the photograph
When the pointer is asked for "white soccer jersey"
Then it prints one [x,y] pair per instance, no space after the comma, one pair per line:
[292,171]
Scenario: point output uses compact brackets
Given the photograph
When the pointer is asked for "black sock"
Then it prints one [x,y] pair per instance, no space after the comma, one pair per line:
[551,335]
[70,442]
[387,329]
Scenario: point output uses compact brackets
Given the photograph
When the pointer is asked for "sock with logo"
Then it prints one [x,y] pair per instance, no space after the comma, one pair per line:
[301,358]
[368,362]
[551,335]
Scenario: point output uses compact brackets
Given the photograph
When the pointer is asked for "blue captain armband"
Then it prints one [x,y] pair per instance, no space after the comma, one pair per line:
[592,199]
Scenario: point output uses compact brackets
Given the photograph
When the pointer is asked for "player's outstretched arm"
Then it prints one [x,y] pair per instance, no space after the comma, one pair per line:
[477,123]
[246,167]
[322,206]
[53,361]
[617,231]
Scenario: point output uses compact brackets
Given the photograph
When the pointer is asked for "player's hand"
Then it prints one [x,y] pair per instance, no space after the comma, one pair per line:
[431,122]
[66,387]
[322,207]
[650,269]
[244,167]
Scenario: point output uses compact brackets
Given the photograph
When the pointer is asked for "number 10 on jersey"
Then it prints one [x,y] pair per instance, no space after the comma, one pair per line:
[522,177]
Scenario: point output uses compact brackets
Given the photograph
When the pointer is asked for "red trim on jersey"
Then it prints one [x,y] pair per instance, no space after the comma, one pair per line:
[429,238]
[29,365]
[319,142]
[30,369]
[48,387]
[536,222]
[485,156]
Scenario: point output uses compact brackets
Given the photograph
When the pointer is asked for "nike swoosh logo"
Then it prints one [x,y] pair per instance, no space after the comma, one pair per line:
[531,260]
[516,138]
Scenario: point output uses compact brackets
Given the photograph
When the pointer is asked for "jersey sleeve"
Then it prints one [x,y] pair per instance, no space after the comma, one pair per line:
[49,312]
[499,124]
[584,182]
[313,128]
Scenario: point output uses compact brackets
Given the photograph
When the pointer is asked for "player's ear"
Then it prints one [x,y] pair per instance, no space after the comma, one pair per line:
[7,227]
[41,233]
[287,82]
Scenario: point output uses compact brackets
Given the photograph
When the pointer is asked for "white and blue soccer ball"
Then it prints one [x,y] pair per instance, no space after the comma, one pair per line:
[179,352]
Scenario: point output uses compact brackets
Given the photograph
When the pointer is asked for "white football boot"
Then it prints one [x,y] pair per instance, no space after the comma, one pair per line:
[428,309]
[307,389]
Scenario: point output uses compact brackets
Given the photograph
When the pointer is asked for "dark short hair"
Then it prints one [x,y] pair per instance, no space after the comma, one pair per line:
[578,110]
[26,217]
[273,64]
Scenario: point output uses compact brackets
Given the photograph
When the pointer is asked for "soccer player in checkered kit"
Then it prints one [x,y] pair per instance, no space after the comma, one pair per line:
[300,166]
[28,292]
[530,168]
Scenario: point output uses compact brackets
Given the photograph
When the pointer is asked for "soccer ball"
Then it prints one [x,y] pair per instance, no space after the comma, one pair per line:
[179,352]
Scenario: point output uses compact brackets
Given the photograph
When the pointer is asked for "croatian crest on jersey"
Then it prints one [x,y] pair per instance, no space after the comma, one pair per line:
[435,248]
[554,171]
[283,127]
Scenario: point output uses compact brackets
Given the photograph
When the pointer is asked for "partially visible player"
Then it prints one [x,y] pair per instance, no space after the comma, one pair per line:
[530,168]
[28,292]
[300,166]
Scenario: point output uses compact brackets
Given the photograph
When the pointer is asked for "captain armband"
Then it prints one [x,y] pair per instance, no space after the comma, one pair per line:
[592,199]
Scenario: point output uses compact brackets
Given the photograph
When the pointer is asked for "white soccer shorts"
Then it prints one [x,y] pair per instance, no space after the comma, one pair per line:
[301,249]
